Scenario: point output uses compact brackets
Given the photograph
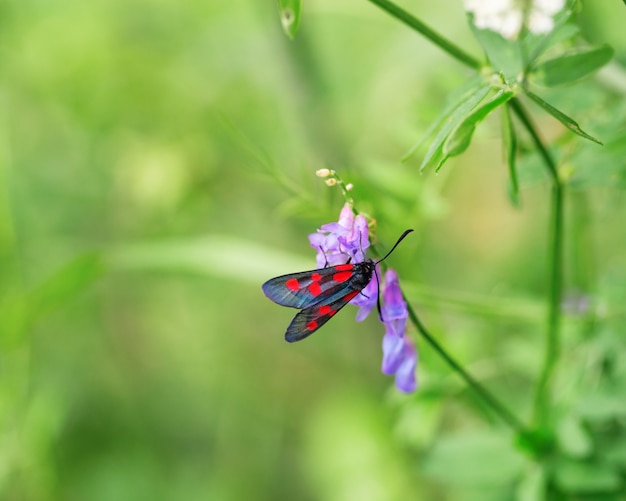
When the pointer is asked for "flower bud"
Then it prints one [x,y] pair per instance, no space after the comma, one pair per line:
[323,172]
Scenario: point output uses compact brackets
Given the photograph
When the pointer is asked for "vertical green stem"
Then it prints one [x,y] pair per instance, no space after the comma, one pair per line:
[555,260]
[555,273]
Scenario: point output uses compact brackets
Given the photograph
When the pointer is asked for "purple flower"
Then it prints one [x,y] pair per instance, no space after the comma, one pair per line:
[399,353]
[347,239]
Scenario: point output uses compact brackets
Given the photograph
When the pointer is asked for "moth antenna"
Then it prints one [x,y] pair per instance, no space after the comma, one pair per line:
[395,245]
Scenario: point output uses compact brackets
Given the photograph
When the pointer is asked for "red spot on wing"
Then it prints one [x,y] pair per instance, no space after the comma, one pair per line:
[326,310]
[312,325]
[350,296]
[292,284]
[316,277]
[342,276]
[344,267]
[315,288]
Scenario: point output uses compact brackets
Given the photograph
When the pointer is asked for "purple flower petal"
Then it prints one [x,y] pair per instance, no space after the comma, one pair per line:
[347,239]
[399,353]
[405,375]
[394,305]
[393,348]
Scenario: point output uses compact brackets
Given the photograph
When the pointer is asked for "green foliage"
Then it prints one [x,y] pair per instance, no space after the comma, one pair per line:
[453,116]
[461,137]
[504,56]
[157,164]
[510,147]
[572,66]
[561,117]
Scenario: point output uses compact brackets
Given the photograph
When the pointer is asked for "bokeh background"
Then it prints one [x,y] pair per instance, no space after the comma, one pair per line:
[157,163]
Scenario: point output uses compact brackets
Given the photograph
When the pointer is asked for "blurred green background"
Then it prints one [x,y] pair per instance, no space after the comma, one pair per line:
[157,163]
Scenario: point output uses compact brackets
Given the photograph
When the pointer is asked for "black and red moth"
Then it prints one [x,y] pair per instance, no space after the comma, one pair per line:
[320,294]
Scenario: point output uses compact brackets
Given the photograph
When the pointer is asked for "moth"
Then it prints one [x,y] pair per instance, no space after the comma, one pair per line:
[320,294]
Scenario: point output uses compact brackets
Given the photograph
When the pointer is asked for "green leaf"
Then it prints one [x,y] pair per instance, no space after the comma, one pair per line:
[510,147]
[561,117]
[586,477]
[535,45]
[289,11]
[504,55]
[453,101]
[572,66]
[461,137]
[434,155]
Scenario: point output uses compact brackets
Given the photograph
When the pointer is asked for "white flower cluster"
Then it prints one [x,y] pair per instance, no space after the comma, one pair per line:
[506,16]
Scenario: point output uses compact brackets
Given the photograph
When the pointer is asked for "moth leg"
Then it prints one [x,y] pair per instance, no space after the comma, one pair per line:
[380,311]
[324,254]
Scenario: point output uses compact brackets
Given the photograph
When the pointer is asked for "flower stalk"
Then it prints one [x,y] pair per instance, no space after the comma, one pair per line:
[442,42]
[555,265]
[555,260]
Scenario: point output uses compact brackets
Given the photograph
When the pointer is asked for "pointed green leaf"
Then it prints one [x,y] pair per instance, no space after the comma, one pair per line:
[510,147]
[504,55]
[454,100]
[434,155]
[290,16]
[461,137]
[536,44]
[561,117]
[572,66]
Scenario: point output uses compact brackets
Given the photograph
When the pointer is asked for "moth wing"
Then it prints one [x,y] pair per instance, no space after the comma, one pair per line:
[308,288]
[307,321]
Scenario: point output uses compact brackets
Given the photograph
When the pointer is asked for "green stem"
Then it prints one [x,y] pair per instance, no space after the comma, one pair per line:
[542,392]
[499,408]
[428,32]
[478,388]
[555,273]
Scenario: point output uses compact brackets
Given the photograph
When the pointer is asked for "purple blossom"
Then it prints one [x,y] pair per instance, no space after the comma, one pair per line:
[399,353]
[347,239]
